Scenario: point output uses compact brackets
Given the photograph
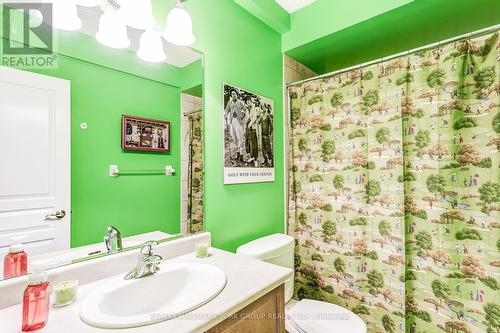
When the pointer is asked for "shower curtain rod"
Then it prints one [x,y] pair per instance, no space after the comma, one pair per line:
[372,62]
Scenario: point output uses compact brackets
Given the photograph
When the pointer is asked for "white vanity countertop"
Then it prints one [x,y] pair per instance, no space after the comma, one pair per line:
[247,280]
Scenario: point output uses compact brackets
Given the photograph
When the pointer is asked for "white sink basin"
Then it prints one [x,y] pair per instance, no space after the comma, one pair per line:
[176,289]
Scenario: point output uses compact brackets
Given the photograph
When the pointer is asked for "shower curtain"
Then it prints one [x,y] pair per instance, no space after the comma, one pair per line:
[394,189]
[195,173]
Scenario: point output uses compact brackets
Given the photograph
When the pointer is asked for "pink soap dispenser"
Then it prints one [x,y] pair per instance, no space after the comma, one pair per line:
[36,300]
[15,263]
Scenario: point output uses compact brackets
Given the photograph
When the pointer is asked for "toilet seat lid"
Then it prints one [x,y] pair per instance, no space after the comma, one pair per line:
[320,317]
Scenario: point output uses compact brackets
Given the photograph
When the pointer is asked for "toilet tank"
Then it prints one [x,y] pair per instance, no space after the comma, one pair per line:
[275,249]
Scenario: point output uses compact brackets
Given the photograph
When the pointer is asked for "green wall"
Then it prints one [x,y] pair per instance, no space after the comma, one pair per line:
[241,50]
[134,204]
[191,75]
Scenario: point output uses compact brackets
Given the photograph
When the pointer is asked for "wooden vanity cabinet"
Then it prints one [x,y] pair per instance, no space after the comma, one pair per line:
[265,315]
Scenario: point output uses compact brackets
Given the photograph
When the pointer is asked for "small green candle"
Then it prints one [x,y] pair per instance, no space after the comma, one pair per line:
[202,250]
[65,292]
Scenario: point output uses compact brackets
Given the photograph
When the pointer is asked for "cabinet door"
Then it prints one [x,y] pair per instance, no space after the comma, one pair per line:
[265,315]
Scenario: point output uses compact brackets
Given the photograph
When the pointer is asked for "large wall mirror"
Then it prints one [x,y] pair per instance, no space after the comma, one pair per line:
[102,151]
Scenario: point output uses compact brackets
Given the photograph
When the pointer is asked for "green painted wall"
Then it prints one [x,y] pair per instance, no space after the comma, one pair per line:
[134,204]
[241,50]
[416,24]
[191,75]
[325,17]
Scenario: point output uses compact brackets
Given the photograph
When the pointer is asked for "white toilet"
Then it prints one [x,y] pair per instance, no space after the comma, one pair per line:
[307,316]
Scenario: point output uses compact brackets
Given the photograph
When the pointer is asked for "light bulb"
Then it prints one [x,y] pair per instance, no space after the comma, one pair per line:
[151,47]
[65,15]
[137,14]
[89,3]
[112,31]
[179,30]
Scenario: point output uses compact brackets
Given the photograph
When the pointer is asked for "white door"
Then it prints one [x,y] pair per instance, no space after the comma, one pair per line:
[34,161]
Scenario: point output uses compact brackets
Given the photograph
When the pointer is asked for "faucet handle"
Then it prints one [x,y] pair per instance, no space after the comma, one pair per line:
[147,248]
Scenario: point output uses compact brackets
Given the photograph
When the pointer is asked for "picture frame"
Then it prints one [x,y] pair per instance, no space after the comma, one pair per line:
[144,134]
[248,148]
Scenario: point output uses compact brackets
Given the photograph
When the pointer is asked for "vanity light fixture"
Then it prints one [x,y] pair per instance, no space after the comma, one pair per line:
[112,31]
[151,47]
[65,15]
[137,14]
[179,29]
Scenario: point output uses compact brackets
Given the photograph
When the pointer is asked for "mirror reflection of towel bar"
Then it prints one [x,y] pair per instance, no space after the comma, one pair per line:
[114,171]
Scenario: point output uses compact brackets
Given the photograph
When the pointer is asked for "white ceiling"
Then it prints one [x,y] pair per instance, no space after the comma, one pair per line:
[293,5]
[179,56]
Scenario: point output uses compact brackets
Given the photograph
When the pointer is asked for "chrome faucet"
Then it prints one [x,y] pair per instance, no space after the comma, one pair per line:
[113,240]
[147,264]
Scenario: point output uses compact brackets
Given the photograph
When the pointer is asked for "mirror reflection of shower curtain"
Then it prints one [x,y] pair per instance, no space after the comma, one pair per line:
[195,173]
